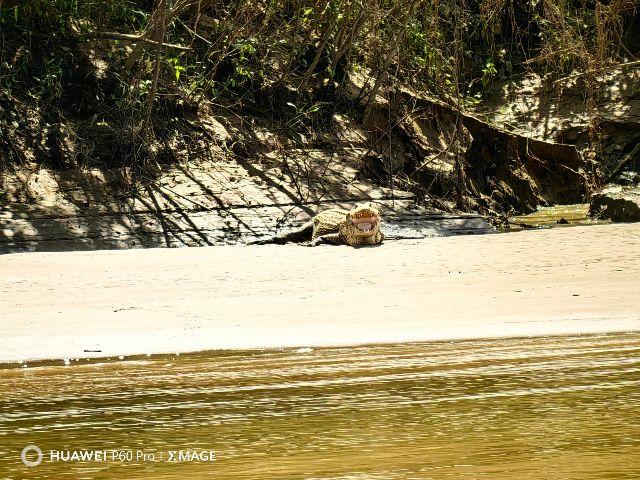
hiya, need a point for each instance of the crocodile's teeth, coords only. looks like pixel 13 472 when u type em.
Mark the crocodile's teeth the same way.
pixel 365 227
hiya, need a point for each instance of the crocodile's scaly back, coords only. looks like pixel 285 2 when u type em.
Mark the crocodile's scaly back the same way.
pixel 328 222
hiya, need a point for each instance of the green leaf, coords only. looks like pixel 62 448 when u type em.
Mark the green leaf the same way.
pixel 178 69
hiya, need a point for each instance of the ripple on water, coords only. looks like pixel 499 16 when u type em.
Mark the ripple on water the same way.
pixel 562 408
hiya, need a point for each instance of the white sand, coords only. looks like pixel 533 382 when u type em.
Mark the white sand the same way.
pixel 561 281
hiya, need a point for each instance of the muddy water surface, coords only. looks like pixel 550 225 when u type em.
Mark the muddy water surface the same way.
pixel 545 408
pixel 577 214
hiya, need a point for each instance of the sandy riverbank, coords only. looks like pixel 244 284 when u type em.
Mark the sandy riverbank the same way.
pixel 561 281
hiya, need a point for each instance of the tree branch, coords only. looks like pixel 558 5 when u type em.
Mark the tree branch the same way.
pixel 127 37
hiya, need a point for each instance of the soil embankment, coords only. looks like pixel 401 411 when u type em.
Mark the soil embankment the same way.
pixel 109 303
pixel 202 204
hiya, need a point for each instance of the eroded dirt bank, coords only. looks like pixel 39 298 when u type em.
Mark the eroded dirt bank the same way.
pixel 106 303
pixel 206 203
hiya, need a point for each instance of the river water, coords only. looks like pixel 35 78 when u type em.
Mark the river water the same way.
pixel 513 409
pixel 577 214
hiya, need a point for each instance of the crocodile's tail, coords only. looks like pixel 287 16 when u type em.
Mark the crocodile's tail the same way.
pixel 300 234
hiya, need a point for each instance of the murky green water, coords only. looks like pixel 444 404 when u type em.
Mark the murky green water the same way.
pixel 577 214
pixel 546 408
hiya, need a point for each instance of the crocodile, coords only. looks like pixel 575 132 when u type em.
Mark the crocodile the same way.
pixel 358 226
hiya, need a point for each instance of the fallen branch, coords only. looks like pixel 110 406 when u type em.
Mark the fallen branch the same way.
pixel 135 38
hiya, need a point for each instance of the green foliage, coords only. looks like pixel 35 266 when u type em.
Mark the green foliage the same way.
pixel 300 119
pixel 234 51
pixel 488 72
pixel 427 60
pixel 56 16
pixel 244 52
pixel 177 67
pixel 33 15
pixel 117 13
pixel 49 83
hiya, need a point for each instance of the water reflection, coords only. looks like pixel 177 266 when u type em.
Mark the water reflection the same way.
pixel 546 408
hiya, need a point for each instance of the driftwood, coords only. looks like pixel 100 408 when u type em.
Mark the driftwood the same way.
pixel 127 37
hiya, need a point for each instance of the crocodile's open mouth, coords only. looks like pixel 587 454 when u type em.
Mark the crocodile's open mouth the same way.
pixel 364 223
